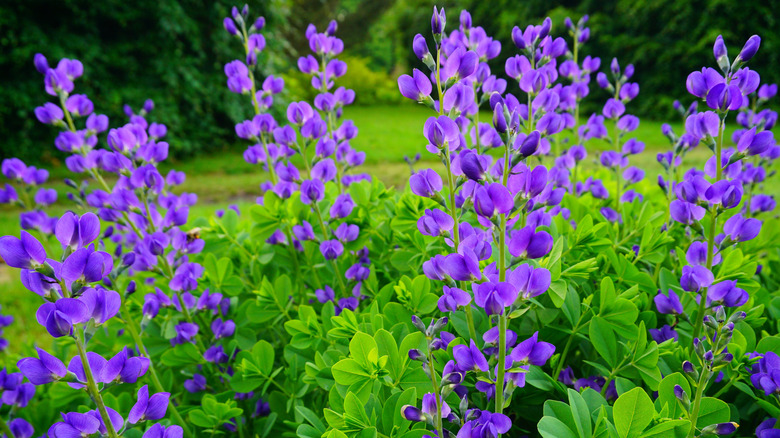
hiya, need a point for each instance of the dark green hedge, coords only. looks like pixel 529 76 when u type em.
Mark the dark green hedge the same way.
pixel 173 51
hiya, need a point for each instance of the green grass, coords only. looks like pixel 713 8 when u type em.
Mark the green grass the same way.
pixel 386 134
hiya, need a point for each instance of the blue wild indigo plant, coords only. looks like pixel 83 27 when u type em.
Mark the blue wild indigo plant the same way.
pixel 511 290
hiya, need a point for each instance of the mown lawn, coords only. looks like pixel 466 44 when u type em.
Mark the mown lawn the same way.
pixel 386 134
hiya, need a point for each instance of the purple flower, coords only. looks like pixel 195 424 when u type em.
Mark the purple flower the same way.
pixel 416 87
pixel 494 297
pixel 45 369
pixel 438 21
pixel 215 354
pixel 532 351
pixel 160 431
pixel 668 303
pixel 185 332
pixel 529 244
pixel 727 293
pixel 342 206
pixel 24 253
pixel 148 408
pixel 663 334
pixel 452 298
pixel 754 143
pixel 325 295
pixel 312 190
pixel 60 316
pixel 223 329
pixel 749 49
pixel 196 384
pixel 122 368
pixel 685 212
pixel 529 281
pixel 426 183
pixel 741 229
pixel 462 266
pixel 75 424
pixel 694 278
pixel 492 199
pixel 331 249
pixel 613 109
pixel 469 358
pixel 435 223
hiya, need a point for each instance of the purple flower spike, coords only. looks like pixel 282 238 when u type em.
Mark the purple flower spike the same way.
pixel 469 358
pixel 148 408
pixel 24 253
pixel 668 303
pixel 45 369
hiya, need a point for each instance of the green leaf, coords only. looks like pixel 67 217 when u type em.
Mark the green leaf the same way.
pixel 669 429
pixel 558 295
pixel 348 372
pixel 263 355
pixel 388 347
pixel 603 339
pixel 632 412
pixel 312 418
pixel 712 411
pixel 666 394
pixel 361 346
pixel 551 427
pixel 183 354
pixel 768 343
pixel 580 413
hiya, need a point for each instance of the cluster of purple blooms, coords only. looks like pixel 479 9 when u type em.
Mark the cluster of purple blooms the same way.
pixel 28 195
pixel 322 139
pixel 719 189
pixel 700 200
pixel 493 210
pixel 79 287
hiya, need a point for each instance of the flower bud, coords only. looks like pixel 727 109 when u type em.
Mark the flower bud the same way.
pixel 749 49
pixel 415 354
pixel 417 322
pixel 412 413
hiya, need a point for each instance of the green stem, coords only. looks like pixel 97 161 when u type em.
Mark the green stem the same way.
pixel 438 423
pixel 5 429
pixel 92 388
pixel 502 318
pixel 134 333
pixel 325 235
pixel 697 400
pixel 451 187
pixel 711 236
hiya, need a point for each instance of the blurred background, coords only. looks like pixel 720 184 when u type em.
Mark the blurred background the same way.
pixel 173 51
